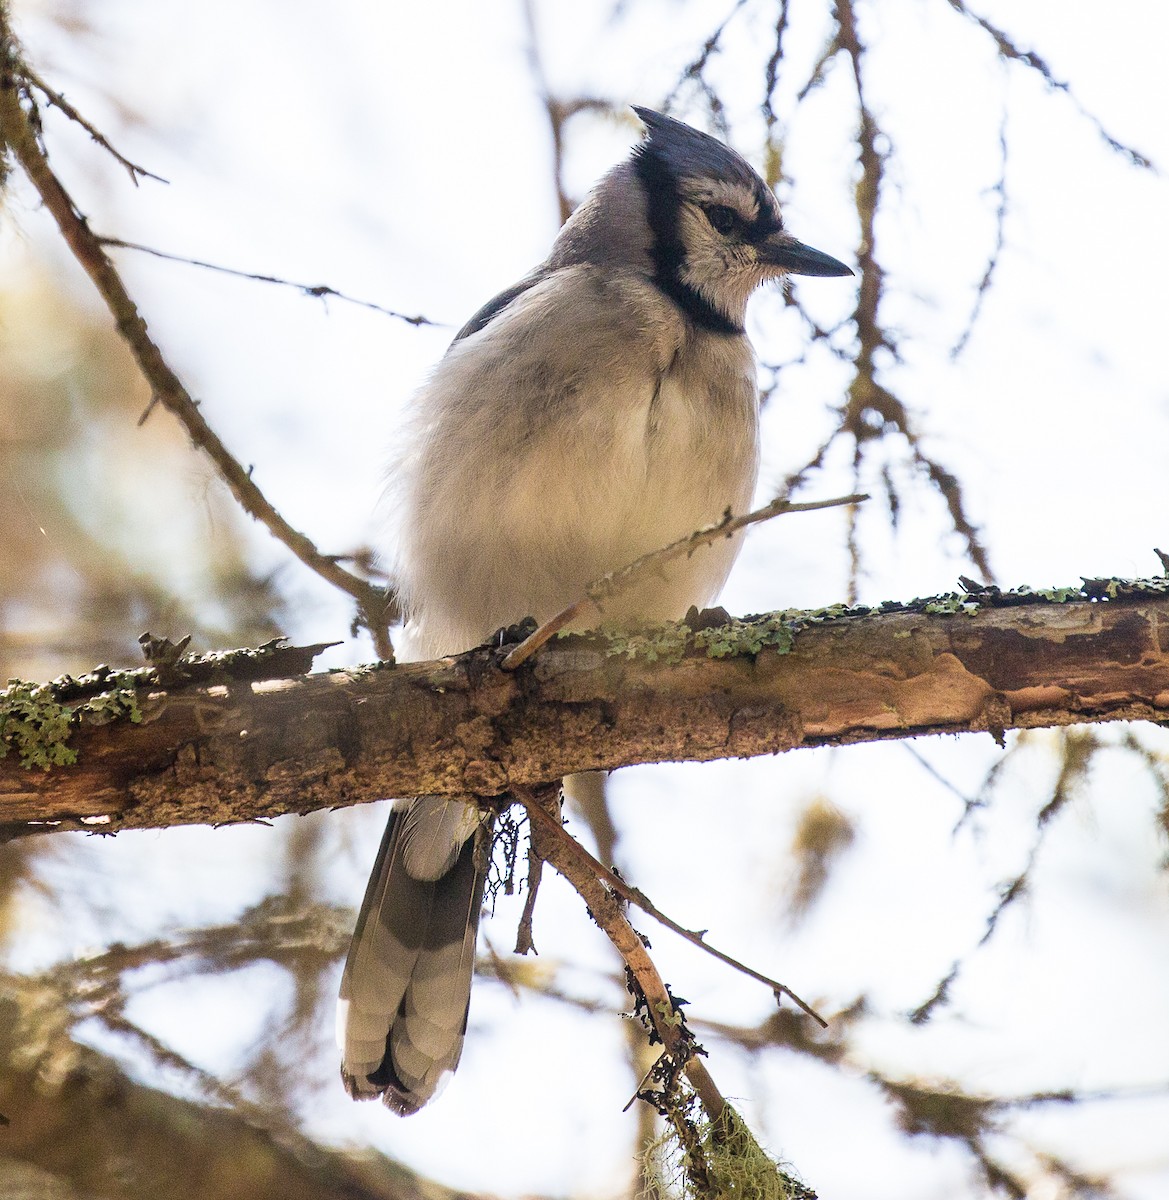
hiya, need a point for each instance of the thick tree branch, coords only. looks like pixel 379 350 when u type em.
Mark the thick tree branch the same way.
pixel 242 750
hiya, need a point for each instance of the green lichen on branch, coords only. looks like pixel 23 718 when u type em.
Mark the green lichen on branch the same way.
pixel 669 641
pixel 750 636
pixel 114 704
pixel 725 636
pixel 37 719
pixel 666 642
pixel 36 723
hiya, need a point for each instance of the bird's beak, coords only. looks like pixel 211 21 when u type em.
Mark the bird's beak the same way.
pixel 784 251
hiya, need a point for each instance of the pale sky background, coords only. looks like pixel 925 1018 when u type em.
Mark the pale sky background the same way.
pixel 397 152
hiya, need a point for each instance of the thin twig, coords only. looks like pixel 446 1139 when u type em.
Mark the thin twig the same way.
pixel 873 411
pixel 638 898
pixel 56 99
pixel 558 111
pixel 315 290
pixel 524 941
pixel 1000 219
pixel 573 862
pixel 930 769
pixel 548 630
pixel 771 76
pixel 694 70
pixel 377 609
pixel 1010 52
pixel 620 580
pixel 1078 749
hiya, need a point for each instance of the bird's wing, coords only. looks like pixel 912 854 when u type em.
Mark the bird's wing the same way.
pixel 495 306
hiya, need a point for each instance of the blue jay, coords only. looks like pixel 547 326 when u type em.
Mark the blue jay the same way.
pixel 604 406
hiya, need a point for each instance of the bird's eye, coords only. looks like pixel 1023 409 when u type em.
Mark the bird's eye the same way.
pixel 723 220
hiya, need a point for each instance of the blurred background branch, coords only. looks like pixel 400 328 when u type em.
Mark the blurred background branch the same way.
pixel 22 125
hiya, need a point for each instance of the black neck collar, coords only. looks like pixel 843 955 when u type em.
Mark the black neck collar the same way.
pixel 668 254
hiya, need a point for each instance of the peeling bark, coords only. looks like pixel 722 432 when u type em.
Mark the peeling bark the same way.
pixel 241 750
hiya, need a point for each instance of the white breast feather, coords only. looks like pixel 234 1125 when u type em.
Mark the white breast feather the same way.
pixel 546 471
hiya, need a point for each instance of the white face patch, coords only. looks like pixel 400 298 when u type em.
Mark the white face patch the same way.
pixel 707 192
pixel 723 269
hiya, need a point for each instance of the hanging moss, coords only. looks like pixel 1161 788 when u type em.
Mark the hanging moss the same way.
pixel 699 1159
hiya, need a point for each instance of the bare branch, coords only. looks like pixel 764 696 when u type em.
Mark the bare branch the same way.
pixel 20 120
pixel 663 1014
pixel 555 845
pixel 57 100
pixel 1000 229
pixel 697 938
pixel 525 942
pixel 771 82
pixel 318 291
pixel 1078 748
pixel 1009 51
pixel 557 110
pixel 693 73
